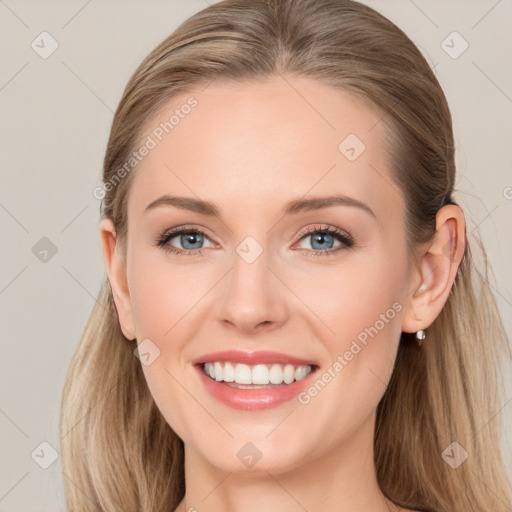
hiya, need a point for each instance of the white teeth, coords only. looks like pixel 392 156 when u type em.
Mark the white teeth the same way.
pixel 276 374
pixel 259 374
pixel 217 368
pixel 243 374
pixel 229 372
pixel 301 372
pixel 289 374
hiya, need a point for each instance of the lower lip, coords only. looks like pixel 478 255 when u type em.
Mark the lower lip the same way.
pixel 253 399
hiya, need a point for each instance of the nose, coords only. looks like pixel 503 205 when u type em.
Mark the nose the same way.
pixel 253 298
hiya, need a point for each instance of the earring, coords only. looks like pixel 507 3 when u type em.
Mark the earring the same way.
pixel 420 336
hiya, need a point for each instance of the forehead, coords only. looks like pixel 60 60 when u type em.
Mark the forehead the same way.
pixel 269 141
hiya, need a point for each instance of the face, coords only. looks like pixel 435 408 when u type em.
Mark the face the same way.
pixel 274 278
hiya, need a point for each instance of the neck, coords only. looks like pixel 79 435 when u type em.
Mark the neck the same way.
pixel 341 480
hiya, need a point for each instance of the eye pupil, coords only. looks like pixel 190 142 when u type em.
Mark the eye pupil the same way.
pixel 191 238
pixel 321 239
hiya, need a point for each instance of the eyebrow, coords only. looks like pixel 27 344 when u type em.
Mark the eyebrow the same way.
pixel 293 207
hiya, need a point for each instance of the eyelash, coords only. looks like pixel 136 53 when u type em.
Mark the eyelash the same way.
pixel 347 241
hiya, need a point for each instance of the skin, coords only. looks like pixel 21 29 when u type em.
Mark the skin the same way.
pixel 268 143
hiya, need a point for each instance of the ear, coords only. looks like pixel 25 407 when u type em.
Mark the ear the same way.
pixel 116 270
pixel 435 270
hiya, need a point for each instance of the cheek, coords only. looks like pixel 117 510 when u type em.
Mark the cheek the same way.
pixel 354 298
pixel 163 292
pixel 360 307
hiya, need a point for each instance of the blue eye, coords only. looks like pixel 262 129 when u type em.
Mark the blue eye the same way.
pixel 326 236
pixel 192 240
pixel 188 238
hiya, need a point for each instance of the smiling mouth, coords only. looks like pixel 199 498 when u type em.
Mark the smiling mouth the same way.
pixel 257 376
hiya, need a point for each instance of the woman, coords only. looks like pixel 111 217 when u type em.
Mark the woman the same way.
pixel 228 367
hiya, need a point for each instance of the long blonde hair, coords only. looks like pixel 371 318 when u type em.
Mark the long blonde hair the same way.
pixel 118 452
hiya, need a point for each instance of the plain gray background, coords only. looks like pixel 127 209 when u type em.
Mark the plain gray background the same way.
pixel 56 113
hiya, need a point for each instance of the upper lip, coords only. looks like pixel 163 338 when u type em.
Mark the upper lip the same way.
pixel 252 357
